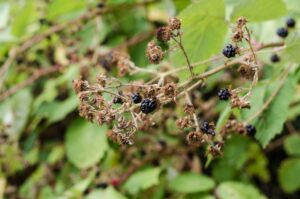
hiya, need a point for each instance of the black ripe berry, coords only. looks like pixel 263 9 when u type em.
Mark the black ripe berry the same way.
pixel 282 32
pixel 117 100
pixel 251 130
pixel 148 106
pixel 290 23
pixel 207 128
pixel 229 51
pixel 275 58
pixel 224 94
pixel 136 98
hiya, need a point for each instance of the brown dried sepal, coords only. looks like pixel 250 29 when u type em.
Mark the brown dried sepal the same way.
pixel 216 149
pixel 164 34
pixel 189 109
pixel 183 122
pixel 80 85
pixel 170 91
pixel 196 138
pixel 154 53
pixel 238 102
pixel 174 23
pixel 233 126
pixel 246 71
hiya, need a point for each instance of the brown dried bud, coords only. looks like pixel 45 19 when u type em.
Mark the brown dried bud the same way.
pixel 246 71
pixel 216 149
pixel 196 138
pixel 189 109
pixel 163 34
pixel 154 53
pixel 80 85
pixel 233 126
pixel 174 23
pixel 170 90
pixel 238 102
pixel 238 36
pixel 241 21
pixel 101 80
pixel 183 122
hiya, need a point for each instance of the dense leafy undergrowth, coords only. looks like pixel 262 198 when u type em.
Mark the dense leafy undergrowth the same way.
pixel 119 99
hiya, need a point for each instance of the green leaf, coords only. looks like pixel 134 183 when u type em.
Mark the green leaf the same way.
pixel 204 29
pixel 85 143
pixel 60 7
pixel 22 18
pixel 259 10
pixel 57 110
pixel 235 151
pixel 191 183
pixel 292 49
pixel 237 190
pixel 15 112
pixel 77 190
pixel 224 116
pixel 289 175
pixel 272 120
pixel 257 101
pixel 292 144
pixel 142 180
pixel 109 193
pixel 4 15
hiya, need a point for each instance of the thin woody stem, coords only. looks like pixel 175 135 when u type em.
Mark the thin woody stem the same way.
pixel 188 98
pixel 250 44
pixel 179 43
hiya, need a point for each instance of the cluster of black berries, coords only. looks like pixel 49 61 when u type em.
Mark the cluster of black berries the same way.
pixel 229 51
pixel 283 32
pixel 148 105
pixel 224 94
pixel 208 128
pixel 251 130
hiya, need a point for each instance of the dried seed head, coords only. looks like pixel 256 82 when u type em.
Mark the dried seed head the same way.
pixel 80 85
pixel 241 21
pixel 246 71
pixel 189 109
pixel 101 80
pixel 174 23
pixel 238 36
pixel 216 149
pixel 170 90
pixel 183 122
pixel 163 34
pixel 196 138
pixel 154 53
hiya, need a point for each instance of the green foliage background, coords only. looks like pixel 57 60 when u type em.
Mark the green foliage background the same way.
pixel 48 140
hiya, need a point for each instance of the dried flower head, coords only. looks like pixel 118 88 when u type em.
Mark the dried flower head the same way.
pixel 216 149
pixel 80 85
pixel 170 91
pixel 239 102
pixel 238 35
pixel 233 126
pixel 189 109
pixel 163 34
pixel 196 138
pixel 154 53
pixel 241 22
pixel 183 122
pixel 174 23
